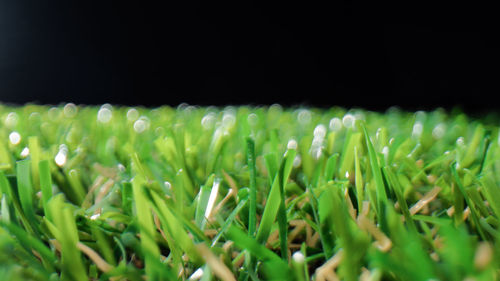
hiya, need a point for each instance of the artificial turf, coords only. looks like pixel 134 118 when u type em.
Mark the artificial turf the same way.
pixel 247 193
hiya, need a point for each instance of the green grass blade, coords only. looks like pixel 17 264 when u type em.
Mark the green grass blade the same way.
pixel 36 154
pixel 25 190
pixel 274 199
pixel 491 191
pixel 13 199
pixel 252 215
pixel 229 220
pixel 270 211
pixel 202 201
pixel 31 242
pixel 45 186
pixel 474 213
pixel 347 161
pixel 271 160
pixel 284 174
pixel 376 173
pixel 394 182
pixel 145 219
pixel 276 266
pixel 175 228
pixel 331 167
pixel 358 180
pixel 66 233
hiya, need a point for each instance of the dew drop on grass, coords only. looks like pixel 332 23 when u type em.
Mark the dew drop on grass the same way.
pixel 439 131
pixel 348 120
pixel 461 141
pixel 95 216
pixel 141 124
pixel 208 121
pixel 15 138
pixel 168 186
pixel 292 144
pixel 189 110
pixel 107 105
pixel 304 117
pixel 385 151
pixel 70 110
pixel 104 114
pixel 252 119
pixel 132 114
pixel 228 120
pixel 335 124
pixel 60 158
pixel 121 168
pixel 54 113
pixel 196 275
pixel 298 257
pixel 11 120
pixel 34 117
pixel 320 131
pixel 25 152
pixel 417 130
pixel 275 108
pixel 61 155
pixel 182 106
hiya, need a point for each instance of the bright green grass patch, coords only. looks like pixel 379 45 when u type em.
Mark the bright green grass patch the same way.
pixel 247 193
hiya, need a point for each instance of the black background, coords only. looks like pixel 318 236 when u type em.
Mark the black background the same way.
pixel 242 52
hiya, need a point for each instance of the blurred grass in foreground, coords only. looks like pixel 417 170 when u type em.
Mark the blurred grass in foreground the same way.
pixel 247 193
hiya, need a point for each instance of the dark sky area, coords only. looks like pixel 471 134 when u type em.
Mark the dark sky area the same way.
pixel 240 52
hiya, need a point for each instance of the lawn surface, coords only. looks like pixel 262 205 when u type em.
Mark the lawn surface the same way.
pixel 247 193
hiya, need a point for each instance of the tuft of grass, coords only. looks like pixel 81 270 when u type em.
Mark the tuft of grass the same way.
pixel 247 193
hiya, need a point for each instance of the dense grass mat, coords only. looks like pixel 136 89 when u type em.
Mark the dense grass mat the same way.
pixel 247 193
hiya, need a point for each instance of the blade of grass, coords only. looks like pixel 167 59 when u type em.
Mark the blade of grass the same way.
pixel 377 175
pixel 358 180
pixel 331 167
pixel 13 199
pixel 202 201
pixel 25 190
pixel 491 192
pixel 171 224
pixel 284 174
pixel 66 234
pixel 146 226
pixel 252 215
pixel 277 267
pixel 475 217
pixel 271 160
pixel 76 185
pixel 394 182
pixel 229 220
pixel 270 211
pixel 45 186
pixel 36 154
pixel 31 242
pixel 274 199
pixel 347 161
